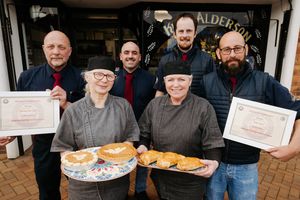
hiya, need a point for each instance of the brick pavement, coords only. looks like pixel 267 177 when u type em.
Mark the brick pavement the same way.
pixel 277 180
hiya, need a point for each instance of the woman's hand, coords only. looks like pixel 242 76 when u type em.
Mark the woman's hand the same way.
pixel 142 149
pixel 209 169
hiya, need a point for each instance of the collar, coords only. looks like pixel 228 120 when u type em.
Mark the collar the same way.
pixel 189 53
pixel 51 71
pixel 187 99
pixel 135 72
pixel 91 104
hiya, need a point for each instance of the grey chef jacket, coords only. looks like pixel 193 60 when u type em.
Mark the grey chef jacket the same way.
pixel 188 129
pixel 83 125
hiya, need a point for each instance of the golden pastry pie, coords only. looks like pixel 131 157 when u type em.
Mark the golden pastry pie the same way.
pixel 189 163
pixel 149 157
pixel 79 160
pixel 168 159
pixel 117 152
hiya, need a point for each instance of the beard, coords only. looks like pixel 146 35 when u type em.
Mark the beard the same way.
pixel 234 69
pixel 185 48
pixel 185 44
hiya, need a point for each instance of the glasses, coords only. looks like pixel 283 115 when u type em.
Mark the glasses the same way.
pixel 109 77
pixel 236 50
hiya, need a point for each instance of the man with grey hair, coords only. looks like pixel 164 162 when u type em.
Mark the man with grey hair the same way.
pixel 66 85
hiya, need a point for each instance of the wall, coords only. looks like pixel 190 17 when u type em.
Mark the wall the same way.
pixel 291 46
pixel 277 12
pixel 296 75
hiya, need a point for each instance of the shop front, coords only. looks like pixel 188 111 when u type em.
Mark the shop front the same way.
pixel 98 31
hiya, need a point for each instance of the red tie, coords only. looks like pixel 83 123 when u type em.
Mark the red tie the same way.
pixel 128 93
pixel 184 57
pixel 233 81
pixel 57 78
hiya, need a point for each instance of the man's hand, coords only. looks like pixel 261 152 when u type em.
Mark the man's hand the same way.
pixel 61 95
pixel 6 139
pixel 286 153
pixel 209 169
pixel 283 153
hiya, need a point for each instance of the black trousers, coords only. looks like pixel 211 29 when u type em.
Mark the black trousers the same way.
pixel 46 168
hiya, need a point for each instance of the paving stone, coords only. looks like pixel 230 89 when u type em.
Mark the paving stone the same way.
pixel 294 192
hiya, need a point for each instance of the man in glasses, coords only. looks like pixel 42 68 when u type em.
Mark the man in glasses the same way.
pixel 135 85
pixel 237 173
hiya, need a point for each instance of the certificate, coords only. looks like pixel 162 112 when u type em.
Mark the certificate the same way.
pixel 28 113
pixel 258 125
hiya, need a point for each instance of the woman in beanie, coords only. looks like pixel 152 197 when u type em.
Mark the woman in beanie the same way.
pixel 183 123
pixel 97 119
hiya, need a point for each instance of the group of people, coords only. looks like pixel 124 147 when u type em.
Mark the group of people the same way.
pixel 187 116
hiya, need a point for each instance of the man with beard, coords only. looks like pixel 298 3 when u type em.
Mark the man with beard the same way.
pixel 135 85
pixel 185 28
pixel 66 85
pixel 237 172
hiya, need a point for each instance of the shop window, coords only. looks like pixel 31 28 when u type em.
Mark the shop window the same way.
pixel 253 24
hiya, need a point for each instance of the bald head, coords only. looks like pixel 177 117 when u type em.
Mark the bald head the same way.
pixel 232 52
pixel 231 38
pixel 57 35
pixel 57 49
pixel 130 56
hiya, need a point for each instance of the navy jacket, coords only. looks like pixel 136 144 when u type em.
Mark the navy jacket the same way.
pixel 143 90
pixel 252 85
pixel 201 63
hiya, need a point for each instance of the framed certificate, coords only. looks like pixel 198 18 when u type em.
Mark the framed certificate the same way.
pixel 258 125
pixel 28 113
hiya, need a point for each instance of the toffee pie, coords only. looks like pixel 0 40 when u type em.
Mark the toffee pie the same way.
pixel 189 163
pixel 117 152
pixel 79 160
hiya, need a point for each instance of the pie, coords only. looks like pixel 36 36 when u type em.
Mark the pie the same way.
pixel 189 163
pixel 79 160
pixel 117 152
pixel 168 159
pixel 149 157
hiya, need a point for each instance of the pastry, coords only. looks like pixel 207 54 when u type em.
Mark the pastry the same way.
pixel 117 152
pixel 168 159
pixel 149 157
pixel 79 160
pixel 189 163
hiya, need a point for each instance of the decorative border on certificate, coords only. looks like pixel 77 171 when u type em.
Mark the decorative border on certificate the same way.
pixel 28 113
pixel 259 125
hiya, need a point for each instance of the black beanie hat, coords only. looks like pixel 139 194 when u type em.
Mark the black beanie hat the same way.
pixel 176 67
pixel 101 62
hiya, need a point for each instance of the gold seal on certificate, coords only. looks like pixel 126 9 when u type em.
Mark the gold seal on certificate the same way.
pixel 259 125
pixel 27 113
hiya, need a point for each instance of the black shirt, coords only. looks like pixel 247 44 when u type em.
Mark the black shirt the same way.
pixel 143 90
